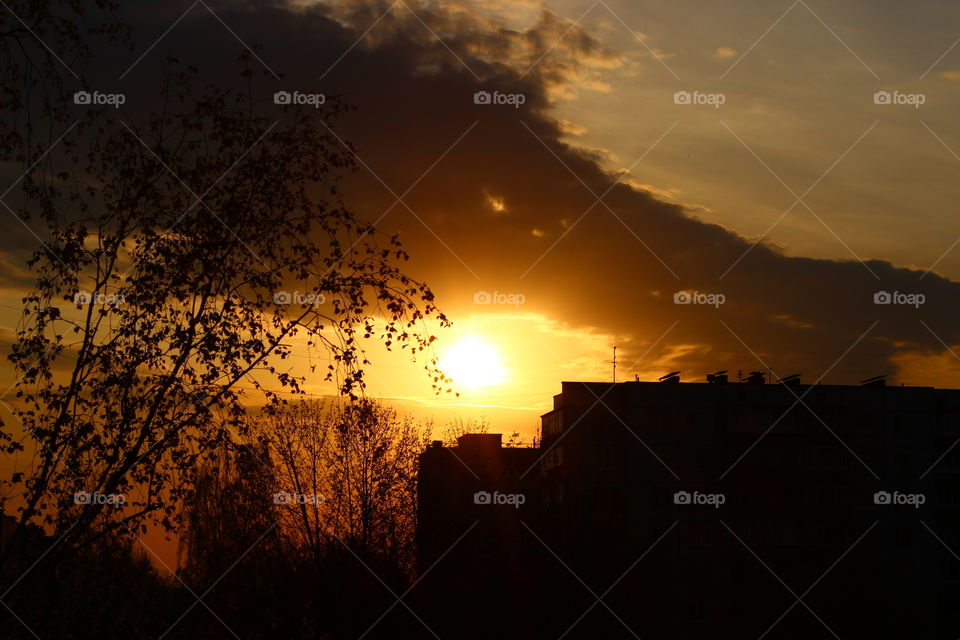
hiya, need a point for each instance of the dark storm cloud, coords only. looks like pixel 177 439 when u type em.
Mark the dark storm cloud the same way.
pixel 613 267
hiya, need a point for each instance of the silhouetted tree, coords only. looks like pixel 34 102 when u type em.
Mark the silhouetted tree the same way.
pixel 458 427
pixel 161 292
pixel 317 510
pixel 298 436
pixel 375 457
pixel 230 512
pixel 110 589
pixel 346 472
pixel 45 47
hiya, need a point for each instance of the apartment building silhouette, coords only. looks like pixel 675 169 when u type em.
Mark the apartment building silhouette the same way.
pixel 749 509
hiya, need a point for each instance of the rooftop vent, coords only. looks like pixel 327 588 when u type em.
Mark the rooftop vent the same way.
pixel 875 381
pixel 755 377
pixel 720 377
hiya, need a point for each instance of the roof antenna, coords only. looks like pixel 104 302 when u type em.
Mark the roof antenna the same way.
pixel 614 362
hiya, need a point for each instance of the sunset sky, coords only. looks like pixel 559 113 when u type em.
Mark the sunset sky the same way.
pixel 556 226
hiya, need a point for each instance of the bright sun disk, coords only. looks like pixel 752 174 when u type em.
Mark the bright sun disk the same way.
pixel 473 362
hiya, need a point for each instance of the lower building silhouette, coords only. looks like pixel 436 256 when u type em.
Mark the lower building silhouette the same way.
pixel 677 510
pixel 478 571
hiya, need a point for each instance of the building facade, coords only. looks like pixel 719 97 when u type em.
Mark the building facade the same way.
pixel 669 509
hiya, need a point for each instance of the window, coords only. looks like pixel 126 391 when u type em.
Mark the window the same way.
pixel 552 423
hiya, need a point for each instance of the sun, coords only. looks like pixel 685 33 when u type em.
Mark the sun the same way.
pixel 473 362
